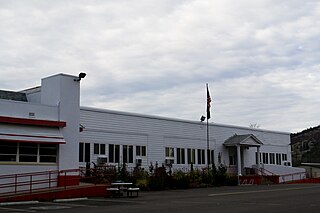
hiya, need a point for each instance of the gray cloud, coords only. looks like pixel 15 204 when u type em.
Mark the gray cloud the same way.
pixel 259 57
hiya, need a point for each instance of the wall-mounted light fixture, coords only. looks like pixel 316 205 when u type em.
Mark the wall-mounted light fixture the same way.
pixel 202 118
pixel 81 76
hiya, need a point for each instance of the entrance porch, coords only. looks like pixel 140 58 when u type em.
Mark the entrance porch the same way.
pixel 237 145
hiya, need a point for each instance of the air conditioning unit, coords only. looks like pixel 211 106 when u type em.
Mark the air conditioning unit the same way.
pixel 102 159
pixel 169 161
pixel 287 164
pixel 138 162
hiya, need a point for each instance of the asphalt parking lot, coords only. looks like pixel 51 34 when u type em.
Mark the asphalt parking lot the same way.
pixel 272 198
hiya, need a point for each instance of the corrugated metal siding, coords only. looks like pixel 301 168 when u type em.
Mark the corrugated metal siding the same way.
pixel 121 128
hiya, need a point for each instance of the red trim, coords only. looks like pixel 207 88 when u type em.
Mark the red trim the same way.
pixel 24 141
pixel 33 136
pixel 34 122
pixel 68 180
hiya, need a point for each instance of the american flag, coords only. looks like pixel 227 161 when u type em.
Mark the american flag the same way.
pixel 208 103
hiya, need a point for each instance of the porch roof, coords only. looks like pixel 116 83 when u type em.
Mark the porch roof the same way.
pixel 248 140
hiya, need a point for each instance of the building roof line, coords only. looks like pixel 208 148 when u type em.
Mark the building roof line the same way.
pixel 175 119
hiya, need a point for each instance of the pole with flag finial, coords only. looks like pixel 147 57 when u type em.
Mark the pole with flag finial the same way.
pixel 208 117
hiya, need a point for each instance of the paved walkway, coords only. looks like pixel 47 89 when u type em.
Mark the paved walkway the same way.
pixel 273 198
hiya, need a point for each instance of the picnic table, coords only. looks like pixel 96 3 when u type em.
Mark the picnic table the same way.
pixel 118 189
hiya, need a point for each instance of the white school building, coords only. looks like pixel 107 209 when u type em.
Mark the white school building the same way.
pixel 45 128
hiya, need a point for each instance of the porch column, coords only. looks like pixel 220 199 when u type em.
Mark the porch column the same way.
pixel 258 159
pixel 239 160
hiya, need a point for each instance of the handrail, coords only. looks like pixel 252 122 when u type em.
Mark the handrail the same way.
pixel 20 183
pixel 292 175
pixel 263 171
pixel 28 182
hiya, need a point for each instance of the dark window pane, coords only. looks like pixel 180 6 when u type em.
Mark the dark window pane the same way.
pixel 102 149
pixel 11 158
pixel 117 153
pixel 125 154
pixel 138 151
pixel 28 148
pixel 48 159
pixel 183 161
pixel 80 152
pixel 130 154
pixel 48 150
pixel 8 148
pixel 87 152
pixel 144 151
pixel 111 153
pixel 96 148
pixel 27 158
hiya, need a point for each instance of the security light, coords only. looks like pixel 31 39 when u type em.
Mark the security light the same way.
pixel 81 75
pixel 202 118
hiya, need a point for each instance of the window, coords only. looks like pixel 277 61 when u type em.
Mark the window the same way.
pixel 210 156
pixel 127 152
pixel 48 153
pixel 87 152
pixel 144 151
pixel 284 157
pixel 169 153
pixel 28 152
pixel 191 156
pixel 114 153
pixel 141 151
pixel 278 159
pixel 265 158
pixel 102 149
pixel 201 156
pixel 96 149
pixel 181 156
pixel 232 160
pixel 81 152
pixel 84 152
pixel 99 149
pixel 272 158
pixel 8 151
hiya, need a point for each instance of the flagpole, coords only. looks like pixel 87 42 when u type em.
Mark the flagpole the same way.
pixel 208 117
pixel 208 152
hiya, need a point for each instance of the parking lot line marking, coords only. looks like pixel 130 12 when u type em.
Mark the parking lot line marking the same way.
pixel 117 201
pixel 66 204
pixel 18 203
pixel 260 191
pixel 15 210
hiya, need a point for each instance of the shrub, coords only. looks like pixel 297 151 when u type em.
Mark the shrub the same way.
pixel 159 180
pixel 181 180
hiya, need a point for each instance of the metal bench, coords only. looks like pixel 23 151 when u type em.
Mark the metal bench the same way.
pixel 130 192
pixel 114 192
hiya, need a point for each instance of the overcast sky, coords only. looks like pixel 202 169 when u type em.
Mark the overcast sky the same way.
pixel 261 58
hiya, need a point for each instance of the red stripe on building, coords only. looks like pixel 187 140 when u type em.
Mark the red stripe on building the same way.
pixel 33 136
pixel 33 122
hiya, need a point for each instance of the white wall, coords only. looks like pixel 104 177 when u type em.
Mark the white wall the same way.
pixel 106 126
pixel 22 109
pixel 62 91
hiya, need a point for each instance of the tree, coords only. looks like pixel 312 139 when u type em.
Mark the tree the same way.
pixel 254 126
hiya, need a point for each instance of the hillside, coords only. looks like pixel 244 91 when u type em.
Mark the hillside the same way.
pixel 305 146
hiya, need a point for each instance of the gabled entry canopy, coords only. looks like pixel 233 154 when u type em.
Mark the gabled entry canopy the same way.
pixel 248 140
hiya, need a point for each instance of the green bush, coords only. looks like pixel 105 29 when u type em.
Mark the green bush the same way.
pixel 159 180
pixel 231 180
pixel 181 180
pixel 195 178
